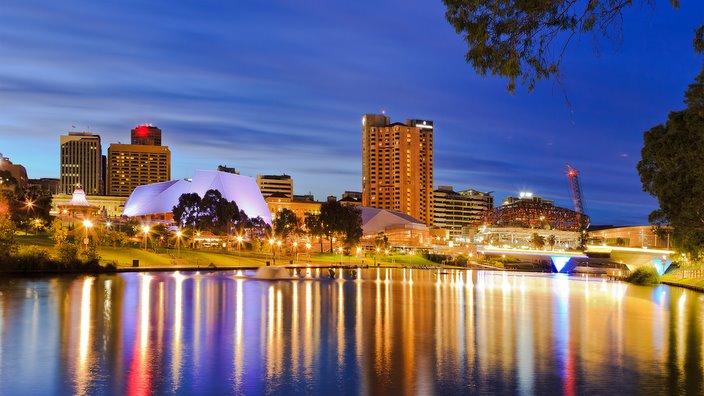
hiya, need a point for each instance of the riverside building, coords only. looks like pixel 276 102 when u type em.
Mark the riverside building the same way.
pixel 397 166
pixel 460 212
pixel 81 160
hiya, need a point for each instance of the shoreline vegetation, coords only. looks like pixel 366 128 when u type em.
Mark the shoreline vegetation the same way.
pixel 37 255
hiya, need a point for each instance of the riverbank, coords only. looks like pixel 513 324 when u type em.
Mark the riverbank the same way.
pixel 693 280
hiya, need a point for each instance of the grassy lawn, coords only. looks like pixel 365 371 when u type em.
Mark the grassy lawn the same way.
pixel 123 256
pixel 676 277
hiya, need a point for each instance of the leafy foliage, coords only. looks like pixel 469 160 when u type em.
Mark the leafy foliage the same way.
pixel 187 210
pixel 314 225
pixel 342 221
pixel 286 223
pixel 213 212
pixel 672 171
pixel 644 276
pixel 525 40
pixel 8 244
pixel 537 240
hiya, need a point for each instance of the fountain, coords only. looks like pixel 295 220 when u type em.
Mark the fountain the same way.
pixel 273 273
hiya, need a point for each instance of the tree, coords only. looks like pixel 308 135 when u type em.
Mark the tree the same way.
pixel 57 232
pixel 671 170
pixel 537 241
pixel 186 212
pixel 258 229
pixel 286 224
pixel 525 40
pixel 331 217
pixel 315 228
pixel 351 225
pixel 551 240
pixel 8 244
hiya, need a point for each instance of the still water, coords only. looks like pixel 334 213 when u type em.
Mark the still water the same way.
pixel 376 332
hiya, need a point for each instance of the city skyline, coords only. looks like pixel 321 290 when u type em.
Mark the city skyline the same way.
pixel 289 99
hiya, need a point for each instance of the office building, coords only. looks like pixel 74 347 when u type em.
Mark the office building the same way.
pixel 48 184
pixel 397 166
pixel 460 212
pixel 275 184
pixel 146 134
pixel 133 165
pixel 81 163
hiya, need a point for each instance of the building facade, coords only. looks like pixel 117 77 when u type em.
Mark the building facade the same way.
pixel 17 171
pixel 528 211
pixel 146 134
pixel 459 212
pixel 133 165
pixel 275 184
pixel 80 158
pixel 397 166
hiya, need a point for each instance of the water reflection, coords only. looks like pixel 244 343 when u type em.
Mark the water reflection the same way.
pixel 374 331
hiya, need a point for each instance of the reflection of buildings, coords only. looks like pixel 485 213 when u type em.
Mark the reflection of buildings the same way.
pixel 633 236
pixel 279 185
pixel 460 212
pixel 17 171
pixel 528 211
pixel 397 166
pixel 81 160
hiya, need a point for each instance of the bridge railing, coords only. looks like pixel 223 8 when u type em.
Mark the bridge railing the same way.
pixel 697 273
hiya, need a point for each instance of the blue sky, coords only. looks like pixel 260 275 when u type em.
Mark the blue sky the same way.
pixel 280 86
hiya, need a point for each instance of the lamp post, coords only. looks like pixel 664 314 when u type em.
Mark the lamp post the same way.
pixel 30 206
pixel 145 229
pixel 273 249
pixel 339 249
pixel 179 234
pixel 87 224
pixel 239 245
pixel 37 223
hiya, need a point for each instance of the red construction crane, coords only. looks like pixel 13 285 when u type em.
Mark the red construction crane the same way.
pixel 573 176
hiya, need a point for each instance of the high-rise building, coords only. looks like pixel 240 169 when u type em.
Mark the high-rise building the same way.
pixel 459 212
pixel 397 166
pixel 134 165
pixel 146 134
pixel 275 184
pixel 80 163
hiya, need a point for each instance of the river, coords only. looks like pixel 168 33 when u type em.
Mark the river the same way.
pixel 378 331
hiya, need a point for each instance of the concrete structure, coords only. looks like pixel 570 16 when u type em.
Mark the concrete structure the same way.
pixel 52 185
pixel 105 206
pixel 156 201
pixel 146 134
pixel 519 237
pixel 80 158
pixel 632 236
pixel 460 212
pixel 17 171
pixel 528 211
pixel 134 165
pixel 397 166
pixel 401 229
pixel 275 184
pixel 301 205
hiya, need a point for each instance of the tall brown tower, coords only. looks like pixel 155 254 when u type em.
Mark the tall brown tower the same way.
pixel 397 166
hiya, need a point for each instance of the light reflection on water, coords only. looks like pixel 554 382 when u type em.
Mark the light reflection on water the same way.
pixel 377 331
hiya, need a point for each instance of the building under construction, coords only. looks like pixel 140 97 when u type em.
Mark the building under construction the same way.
pixel 528 211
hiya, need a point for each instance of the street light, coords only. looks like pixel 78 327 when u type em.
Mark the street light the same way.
pixel 145 229
pixel 87 224
pixel 340 250
pixel 295 250
pixel 239 245
pixel 179 234
pixel 273 249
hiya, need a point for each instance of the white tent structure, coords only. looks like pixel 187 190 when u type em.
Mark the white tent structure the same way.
pixel 400 228
pixel 160 198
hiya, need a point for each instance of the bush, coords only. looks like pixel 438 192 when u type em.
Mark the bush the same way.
pixel 644 276
pixel 67 253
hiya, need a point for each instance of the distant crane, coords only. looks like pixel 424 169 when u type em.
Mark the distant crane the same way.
pixel 576 190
